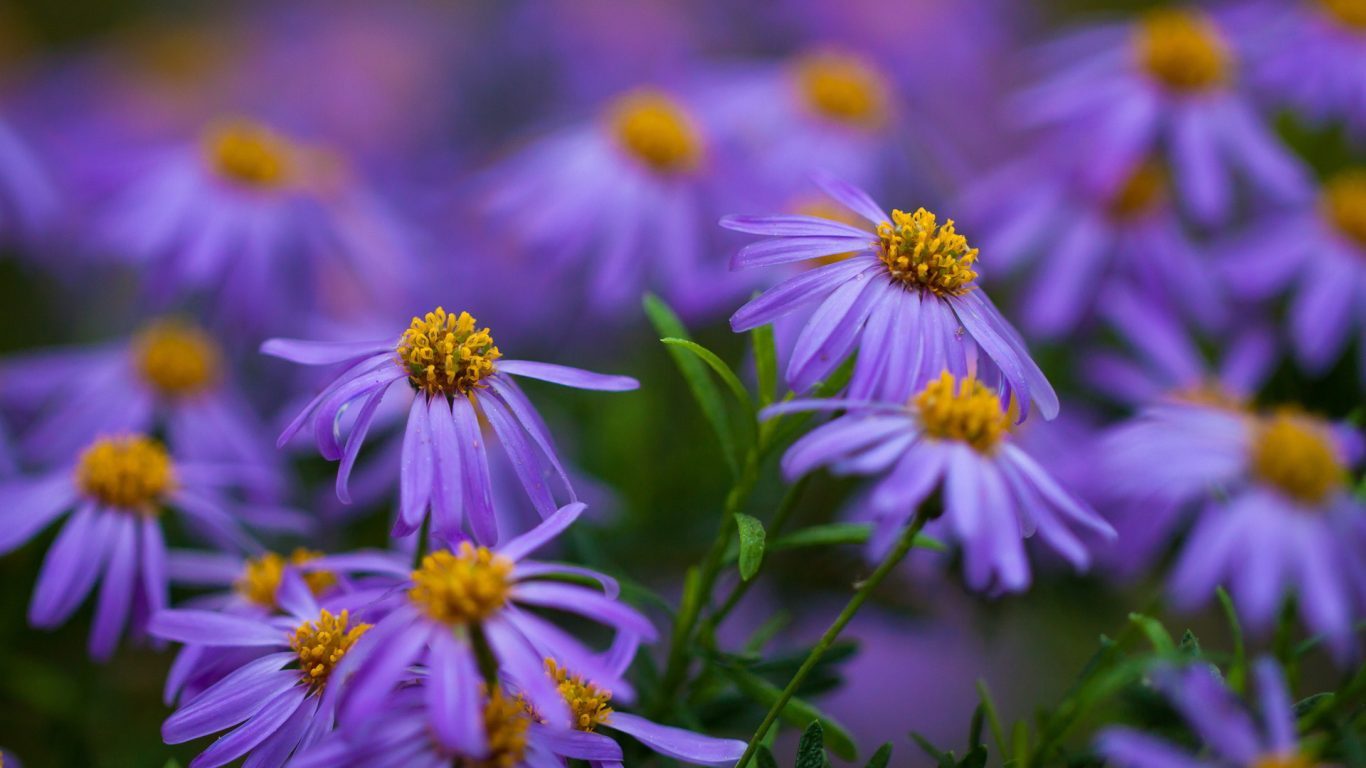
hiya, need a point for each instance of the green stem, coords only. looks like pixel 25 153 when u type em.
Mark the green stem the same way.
pixel 775 527
pixel 423 534
pixel 893 558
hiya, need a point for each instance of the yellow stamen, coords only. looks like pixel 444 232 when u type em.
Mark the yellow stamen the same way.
pixel 1350 13
pixel 919 253
pixel 176 358
pixel 656 130
pixel 321 644
pixel 1182 49
pixel 260 580
pixel 445 354
pixel 1294 453
pixel 1344 204
pixel 130 472
pixel 462 587
pixel 248 154
pixel 587 702
pixel 842 87
pixel 968 413
pixel 1211 394
pixel 506 721
pixel 1141 192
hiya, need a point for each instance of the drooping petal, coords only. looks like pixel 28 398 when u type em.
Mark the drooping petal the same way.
pixel 453 698
pixel 265 722
pixel 586 603
pixel 677 743
pixel 236 697
pixel 475 486
pixel 415 474
pixel 850 197
pixel 116 592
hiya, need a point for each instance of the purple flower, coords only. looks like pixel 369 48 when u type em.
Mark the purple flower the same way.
pixel 28 199
pixel 431 615
pixel 279 701
pixel 1165 82
pixel 1227 732
pixel 1272 507
pixel 1317 254
pixel 170 377
pixel 119 488
pixel 913 275
pixel 955 432
pixel 458 376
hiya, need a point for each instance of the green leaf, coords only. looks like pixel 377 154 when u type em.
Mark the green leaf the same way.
pixel 694 372
pixel 811 748
pixel 975 758
pixel 834 534
pixel 1156 633
pixel 1190 644
pixel 1237 669
pixel 993 719
pixel 1020 746
pixel 765 363
pixel 941 759
pixel 751 544
pixel 881 757
pixel 764 757
pixel 172 763
pixel 797 713
pixel 728 377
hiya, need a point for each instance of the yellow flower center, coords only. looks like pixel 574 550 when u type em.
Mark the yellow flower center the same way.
pixel 587 702
pixel 966 411
pixel 131 472
pixel 462 587
pixel 921 254
pixel 842 88
pixel 260 580
pixel 177 359
pixel 1182 49
pixel 656 130
pixel 505 725
pixel 1350 13
pixel 1140 193
pixel 321 644
pixel 248 154
pixel 1344 203
pixel 1294 453
pixel 445 354
pixel 1210 394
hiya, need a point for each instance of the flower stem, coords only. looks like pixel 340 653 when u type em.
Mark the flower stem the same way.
pixel 775 526
pixel 865 589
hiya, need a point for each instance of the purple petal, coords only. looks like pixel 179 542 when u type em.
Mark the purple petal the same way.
pixel 1215 714
pixel 793 226
pixel 830 334
pixel 415 475
pixel 155 583
pixel 579 745
pixel 270 718
pixel 353 442
pixel 231 700
pixel 453 699
pixel 1131 749
pixel 394 644
pixel 678 743
pixel 1007 350
pixel 323 352
pixel 116 593
pixel 531 469
pixel 569 377
pixel 214 629
pixel 796 292
pixel 785 250
pixel 475 485
pixel 1277 715
pixel 850 197
pixel 447 512
pixel 526 668
pixel 277 748
pixel 586 603
pixel 523 545
pixel 28 506
pixel 528 570
pixel 71 567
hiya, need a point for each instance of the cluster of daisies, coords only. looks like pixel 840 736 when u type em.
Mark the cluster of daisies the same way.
pixel 1154 204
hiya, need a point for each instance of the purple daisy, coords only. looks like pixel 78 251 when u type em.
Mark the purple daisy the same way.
pixel 1164 82
pixel 119 488
pixel 1273 509
pixel 457 376
pixel 28 198
pixel 1318 255
pixel 1227 732
pixel 913 275
pixel 432 615
pixel 282 698
pixel 955 432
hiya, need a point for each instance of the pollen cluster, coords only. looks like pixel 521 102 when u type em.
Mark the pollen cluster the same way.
pixel 1140 193
pixel 842 88
pixel 321 644
pixel 919 253
pixel 130 472
pixel 1294 453
pixel 966 411
pixel 446 354
pixel 656 130
pixel 1182 49
pixel 587 702
pixel 505 726
pixel 177 359
pixel 1350 13
pixel 248 154
pixel 1344 203
pixel 260 580
pixel 462 587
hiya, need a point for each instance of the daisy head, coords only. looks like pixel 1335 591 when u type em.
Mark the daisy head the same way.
pixel 250 156
pixel 655 131
pixel 1182 50
pixel 841 88
pixel 177 359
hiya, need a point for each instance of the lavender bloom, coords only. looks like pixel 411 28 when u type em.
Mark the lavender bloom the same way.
pixel 913 275
pixel 118 488
pixel 1273 510
pixel 955 431
pixel 458 377
pixel 428 615
pixel 1164 82
pixel 277 702
pixel 169 377
pixel 1226 729
pixel 28 199
pixel 1318 255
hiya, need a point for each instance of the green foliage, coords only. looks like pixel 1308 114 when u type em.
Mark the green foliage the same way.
pixel 751 545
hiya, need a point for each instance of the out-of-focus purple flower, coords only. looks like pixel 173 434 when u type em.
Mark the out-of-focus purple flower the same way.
pixel 262 224
pixel 119 488
pixel 1227 732
pixel 28 197
pixel 1165 83
pixel 276 703
pixel 458 376
pixel 913 276
pixel 428 615
pixel 1309 56
pixel 1318 255
pixel 170 377
pixel 954 432
pixel 1273 508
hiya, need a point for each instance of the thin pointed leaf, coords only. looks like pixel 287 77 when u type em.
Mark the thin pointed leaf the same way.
pixel 751 544
pixel 765 363
pixel 728 377
pixel 811 748
pixel 881 757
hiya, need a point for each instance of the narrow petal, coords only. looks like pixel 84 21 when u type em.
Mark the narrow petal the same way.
pixel 850 197
pixel 793 226
pixel 523 545
pixel 236 697
pixel 416 473
pixel 251 733
pixel 71 566
pixel 116 592
pixel 526 668
pixel 453 698
pixel 796 292
pixel 323 352
pixel 569 377
pixel 586 603
pixel 677 743
pixel 579 745
pixel 364 419
pixel 447 512
pixel 194 627
pixel 475 485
